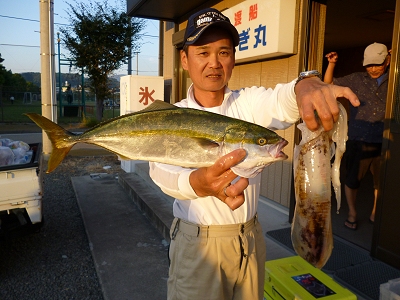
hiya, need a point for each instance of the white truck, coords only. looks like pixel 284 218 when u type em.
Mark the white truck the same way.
pixel 21 190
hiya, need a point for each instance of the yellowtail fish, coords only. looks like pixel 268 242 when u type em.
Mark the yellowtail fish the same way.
pixel 311 231
pixel 168 134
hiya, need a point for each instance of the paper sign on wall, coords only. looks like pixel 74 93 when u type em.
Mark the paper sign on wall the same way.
pixel 266 28
pixel 138 92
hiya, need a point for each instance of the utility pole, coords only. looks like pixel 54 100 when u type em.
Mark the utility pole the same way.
pixel 130 63
pixel 130 50
pixel 47 67
pixel 161 49
pixel 137 62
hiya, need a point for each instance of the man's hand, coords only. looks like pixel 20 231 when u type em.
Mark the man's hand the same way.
pixel 216 180
pixel 332 57
pixel 313 94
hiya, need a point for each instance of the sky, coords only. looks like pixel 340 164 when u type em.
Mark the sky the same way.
pixel 20 39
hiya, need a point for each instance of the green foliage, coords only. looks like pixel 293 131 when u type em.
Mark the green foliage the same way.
pixel 33 77
pixel 11 83
pixel 18 83
pixel 100 39
pixel 89 122
pixel 2 69
pixel 5 78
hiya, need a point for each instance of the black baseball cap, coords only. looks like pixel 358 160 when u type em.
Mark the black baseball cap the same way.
pixel 204 19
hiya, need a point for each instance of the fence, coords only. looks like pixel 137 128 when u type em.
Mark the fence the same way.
pixel 13 106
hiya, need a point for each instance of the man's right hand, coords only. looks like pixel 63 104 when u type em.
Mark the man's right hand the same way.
pixel 216 180
pixel 332 57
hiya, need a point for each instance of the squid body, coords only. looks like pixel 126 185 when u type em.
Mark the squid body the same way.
pixel 311 230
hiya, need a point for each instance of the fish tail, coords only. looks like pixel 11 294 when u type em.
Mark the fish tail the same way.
pixel 60 139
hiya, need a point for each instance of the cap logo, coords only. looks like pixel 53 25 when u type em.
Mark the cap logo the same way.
pixel 207 18
pixel 199 22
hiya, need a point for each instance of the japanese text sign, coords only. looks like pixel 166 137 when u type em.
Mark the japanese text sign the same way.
pixel 266 28
pixel 138 92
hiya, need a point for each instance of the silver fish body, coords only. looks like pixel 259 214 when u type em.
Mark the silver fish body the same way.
pixel 178 136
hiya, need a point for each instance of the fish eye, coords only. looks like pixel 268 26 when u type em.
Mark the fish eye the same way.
pixel 262 141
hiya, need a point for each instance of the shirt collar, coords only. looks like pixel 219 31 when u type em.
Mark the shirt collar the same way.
pixel 192 103
pixel 382 78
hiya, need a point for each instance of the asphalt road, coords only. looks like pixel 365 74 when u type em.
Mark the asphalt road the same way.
pixel 53 261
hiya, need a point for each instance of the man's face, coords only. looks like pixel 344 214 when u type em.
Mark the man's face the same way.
pixel 375 71
pixel 210 60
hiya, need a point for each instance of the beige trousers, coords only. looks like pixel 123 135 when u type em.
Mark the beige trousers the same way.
pixel 216 262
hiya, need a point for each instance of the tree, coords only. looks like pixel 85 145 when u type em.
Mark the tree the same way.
pixel 18 83
pixel 100 39
pixel 2 71
pixel 11 83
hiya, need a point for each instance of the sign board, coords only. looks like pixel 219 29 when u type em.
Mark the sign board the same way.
pixel 266 28
pixel 138 92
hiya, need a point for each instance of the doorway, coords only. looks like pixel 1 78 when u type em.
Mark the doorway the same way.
pixel 350 27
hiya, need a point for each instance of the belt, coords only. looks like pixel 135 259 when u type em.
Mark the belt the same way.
pixel 212 231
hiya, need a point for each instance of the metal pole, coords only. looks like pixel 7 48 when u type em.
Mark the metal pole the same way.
pixel 45 69
pixel 161 49
pixel 83 92
pixel 130 62
pixel 59 74
pixel 130 50
pixel 137 63
pixel 53 97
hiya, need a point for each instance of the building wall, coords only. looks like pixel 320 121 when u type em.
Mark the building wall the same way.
pixel 168 61
pixel 276 178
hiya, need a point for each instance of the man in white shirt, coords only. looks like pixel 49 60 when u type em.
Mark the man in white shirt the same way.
pixel 217 247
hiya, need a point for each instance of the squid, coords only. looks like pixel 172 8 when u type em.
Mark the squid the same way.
pixel 311 229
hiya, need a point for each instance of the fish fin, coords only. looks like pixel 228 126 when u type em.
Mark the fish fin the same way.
pixel 206 143
pixel 59 138
pixel 159 105
pixel 56 157
pixel 156 105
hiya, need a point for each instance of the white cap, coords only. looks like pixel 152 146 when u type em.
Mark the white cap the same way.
pixel 375 54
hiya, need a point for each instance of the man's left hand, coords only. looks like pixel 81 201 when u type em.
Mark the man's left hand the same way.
pixel 312 94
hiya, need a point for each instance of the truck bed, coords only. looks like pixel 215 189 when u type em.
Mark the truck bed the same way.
pixel 21 187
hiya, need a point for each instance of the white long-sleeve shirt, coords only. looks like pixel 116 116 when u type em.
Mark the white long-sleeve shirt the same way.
pixel 271 108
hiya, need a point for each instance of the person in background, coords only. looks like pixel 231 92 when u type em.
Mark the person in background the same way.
pixel 217 248
pixel 363 148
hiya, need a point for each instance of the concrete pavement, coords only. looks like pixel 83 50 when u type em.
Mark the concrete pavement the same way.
pixel 130 255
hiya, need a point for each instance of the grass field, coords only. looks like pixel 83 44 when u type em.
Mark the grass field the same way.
pixel 14 113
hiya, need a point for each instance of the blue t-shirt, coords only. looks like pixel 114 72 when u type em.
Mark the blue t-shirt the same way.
pixel 366 122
